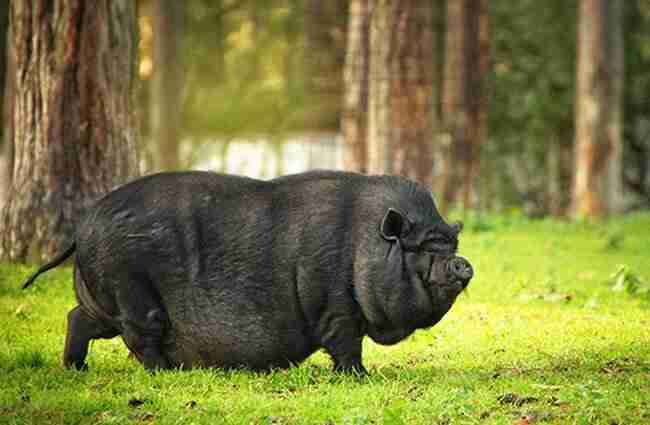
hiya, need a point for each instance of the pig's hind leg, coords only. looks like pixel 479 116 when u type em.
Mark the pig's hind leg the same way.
pixel 86 322
pixel 144 323
pixel 82 328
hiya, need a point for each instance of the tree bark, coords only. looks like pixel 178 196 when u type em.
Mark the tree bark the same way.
pixel 167 82
pixel 73 124
pixel 355 82
pixel 380 130
pixel 401 89
pixel 597 183
pixel 464 116
pixel 4 20
pixel 324 59
pixel 614 192
pixel 6 94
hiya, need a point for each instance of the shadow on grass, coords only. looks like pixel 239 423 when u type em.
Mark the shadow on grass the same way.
pixel 612 364
pixel 617 362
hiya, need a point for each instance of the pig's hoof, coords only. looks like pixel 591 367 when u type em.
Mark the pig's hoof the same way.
pixel 80 366
pixel 358 371
pixel 155 363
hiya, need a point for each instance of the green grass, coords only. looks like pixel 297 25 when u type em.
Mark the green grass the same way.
pixel 540 337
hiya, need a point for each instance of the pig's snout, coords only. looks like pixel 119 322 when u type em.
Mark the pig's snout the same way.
pixel 459 269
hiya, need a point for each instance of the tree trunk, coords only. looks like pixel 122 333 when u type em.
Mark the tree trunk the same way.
pixel 355 82
pixel 380 130
pixel 554 177
pixel 598 144
pixel 6 94
pixel 324 59
pixel 614 186
pixel 166 82
pixel 4 20
pixel 464 116
pixel 401 89
pixel 74 129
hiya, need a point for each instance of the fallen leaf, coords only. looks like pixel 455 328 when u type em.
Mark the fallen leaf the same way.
pixel 526 418
pixel 21 311
pixel 546 296
pixel 146 417
pixel 136 402
pixel 515 399
pixel 617 366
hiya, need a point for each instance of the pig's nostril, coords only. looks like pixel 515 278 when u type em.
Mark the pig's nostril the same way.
pixel 460 268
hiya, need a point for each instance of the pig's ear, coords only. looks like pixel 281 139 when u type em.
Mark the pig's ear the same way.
pixel 394 225
pixel 457 227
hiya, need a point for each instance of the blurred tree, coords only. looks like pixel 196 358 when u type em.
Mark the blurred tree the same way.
pixel 614 189
pixel 354 117
pixel 464 101
pixel 528 160
pixel 637 107
pixel 324 31
pixel 4 21
pixel 6 150
pixel 400 89
pixel 599 79
pixel 74 128
pixel 167 85
pixel 237 81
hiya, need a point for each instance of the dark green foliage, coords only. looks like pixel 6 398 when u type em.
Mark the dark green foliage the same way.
pixel 637 106
pixel 627 281
pixel 531 90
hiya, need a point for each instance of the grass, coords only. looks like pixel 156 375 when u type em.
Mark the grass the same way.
pixel 540 337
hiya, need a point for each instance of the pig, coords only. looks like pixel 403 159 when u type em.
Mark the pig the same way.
pixel 198 269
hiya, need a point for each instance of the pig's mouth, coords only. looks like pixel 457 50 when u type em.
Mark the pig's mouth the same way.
pixel 451 277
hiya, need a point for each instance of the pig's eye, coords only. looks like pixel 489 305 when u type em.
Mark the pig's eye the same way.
pixel 436 243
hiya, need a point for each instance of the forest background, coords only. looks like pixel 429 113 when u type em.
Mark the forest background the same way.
pixel 509 107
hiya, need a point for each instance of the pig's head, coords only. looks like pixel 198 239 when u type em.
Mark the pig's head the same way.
pixel 414 275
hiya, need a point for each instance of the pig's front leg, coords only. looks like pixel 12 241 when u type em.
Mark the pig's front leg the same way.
pixel 343 342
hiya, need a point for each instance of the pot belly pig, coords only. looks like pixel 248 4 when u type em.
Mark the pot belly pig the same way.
pixel 196 269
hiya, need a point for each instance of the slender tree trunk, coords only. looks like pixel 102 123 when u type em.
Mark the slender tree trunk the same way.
pixel 554 177
pixel 220 35
pixel 614 192
pixel 463 99
pixel 453 112
pixel 355 82
pixel 167 82
pixel 598 143
pixel 380 130
pixel 73 125
pixel 4 21
pixel 412 90
pixel 439 39
pixel 401 89
pixel 6 94
pixel 479 61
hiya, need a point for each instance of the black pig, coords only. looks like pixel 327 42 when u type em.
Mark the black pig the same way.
pixel 201 269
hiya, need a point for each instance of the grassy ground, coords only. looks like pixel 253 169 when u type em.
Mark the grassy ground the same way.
pixel 540 337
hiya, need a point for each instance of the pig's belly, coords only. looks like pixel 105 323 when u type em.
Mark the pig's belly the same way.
pixel 250 341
